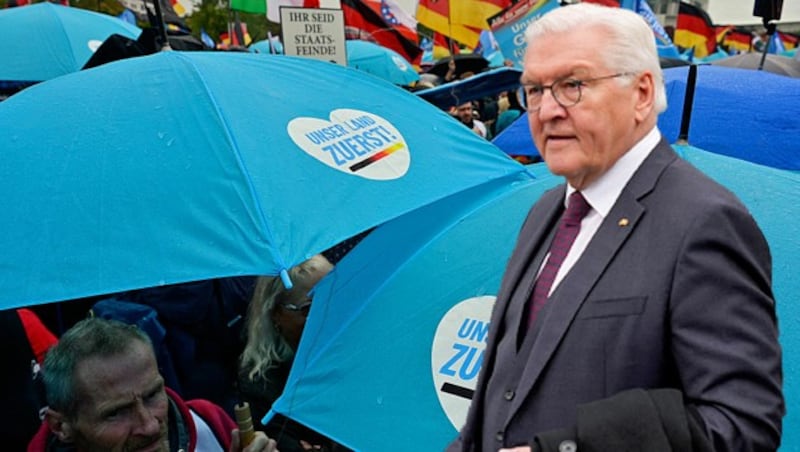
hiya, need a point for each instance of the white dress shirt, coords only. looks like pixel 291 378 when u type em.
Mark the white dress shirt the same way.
pixel 601 195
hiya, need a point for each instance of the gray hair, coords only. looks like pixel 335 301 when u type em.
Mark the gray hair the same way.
pixel 89 338
pixel 631 48
pixel 266 347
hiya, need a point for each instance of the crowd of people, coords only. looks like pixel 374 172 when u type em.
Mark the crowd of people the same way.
pixel 489 116
pixel 166 365
pixel 636 310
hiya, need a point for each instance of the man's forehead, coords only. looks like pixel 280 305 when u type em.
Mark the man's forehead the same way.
pixel 134 369
pixel 542 72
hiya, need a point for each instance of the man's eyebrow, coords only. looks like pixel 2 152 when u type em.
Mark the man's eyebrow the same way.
pixel 115 406
pixel 157 386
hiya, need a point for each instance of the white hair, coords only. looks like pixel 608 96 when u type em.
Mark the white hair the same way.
pixel 266 347
pixel 631 47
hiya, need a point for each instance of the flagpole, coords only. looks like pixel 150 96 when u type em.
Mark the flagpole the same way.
pixel 162 26
pixel 451 65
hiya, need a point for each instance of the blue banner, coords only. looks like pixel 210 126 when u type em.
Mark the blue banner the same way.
pixel 508 26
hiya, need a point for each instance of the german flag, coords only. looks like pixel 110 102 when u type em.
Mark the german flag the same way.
pixel 361 22
pixel 731 38
pixel 435 14
pixel 790 41
pixel 476 12
pixel 460 20
pixel 400 20
pixel 695 30
pixel 443 46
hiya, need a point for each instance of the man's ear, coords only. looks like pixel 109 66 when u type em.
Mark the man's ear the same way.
pixel 59 425
pixel 646 95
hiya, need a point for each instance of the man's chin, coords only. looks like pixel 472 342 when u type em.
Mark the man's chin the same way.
pixel 159 445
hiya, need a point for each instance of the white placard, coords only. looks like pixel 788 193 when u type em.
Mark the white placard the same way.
pixel 314 33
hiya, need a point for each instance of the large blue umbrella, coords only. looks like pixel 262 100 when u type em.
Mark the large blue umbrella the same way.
pixel 742 113
pixel 182 166
pixel 46 40
pixel 381 62
pixel 771 196
pixel 393 344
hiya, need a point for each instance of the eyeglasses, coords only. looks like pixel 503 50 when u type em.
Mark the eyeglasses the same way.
pixel 566 91
pixel 302 308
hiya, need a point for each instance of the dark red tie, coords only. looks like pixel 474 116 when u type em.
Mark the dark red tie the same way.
pixel 568 228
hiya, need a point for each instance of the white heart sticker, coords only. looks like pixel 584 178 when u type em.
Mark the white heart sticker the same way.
pixel 354 142
pixel 400 63
pixel 94 44
pixel 457 355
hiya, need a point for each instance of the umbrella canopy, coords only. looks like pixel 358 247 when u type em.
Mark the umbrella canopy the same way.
pixel 487 83
pixel 666 62
pixel 741 113
pixel 393 343
pixel 777 64
pixel 380 62
pixel 771 196
pixel 264 46
pixel 46 40
pixel 465 63
pixel 166 168
pixel 395 333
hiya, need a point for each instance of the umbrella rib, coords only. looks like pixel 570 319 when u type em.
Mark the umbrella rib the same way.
pixel 401 264
pixel 265 229
pixel 51 12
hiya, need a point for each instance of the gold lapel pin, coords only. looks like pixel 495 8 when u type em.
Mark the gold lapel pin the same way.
pixel 623 222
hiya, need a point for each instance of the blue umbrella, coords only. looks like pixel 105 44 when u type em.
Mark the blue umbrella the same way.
pixel 182 166
pixel 516 139
pixel 750 115
pixel 393 343
pixel 386 358
pixel 380 62
pixel 489 83
pixel 742 113
pixel 771 196
pixel 46 40
pixel 775 63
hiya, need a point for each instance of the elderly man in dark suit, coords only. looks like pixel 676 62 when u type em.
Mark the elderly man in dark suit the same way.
pixel 636 311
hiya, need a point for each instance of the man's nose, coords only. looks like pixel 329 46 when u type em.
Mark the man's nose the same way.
pixel 549 107
pixel 147 423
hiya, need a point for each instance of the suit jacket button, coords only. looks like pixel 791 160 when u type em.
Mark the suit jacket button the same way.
pixel 508 395
pixel 568 446
pixel 499 436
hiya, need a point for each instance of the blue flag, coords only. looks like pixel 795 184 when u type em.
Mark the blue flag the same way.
pixel 207 39
pixel 127 16
pixel 776 43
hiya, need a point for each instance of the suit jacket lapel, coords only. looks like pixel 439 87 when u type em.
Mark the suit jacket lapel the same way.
pixel 533 234
pixel 573 290
pixel 529 258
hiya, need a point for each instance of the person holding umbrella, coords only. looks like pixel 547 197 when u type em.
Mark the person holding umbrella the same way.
pixel 275 322
pixel 636 311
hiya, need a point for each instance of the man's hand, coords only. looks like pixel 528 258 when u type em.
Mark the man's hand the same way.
pixel 261 443
pixel 517 449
